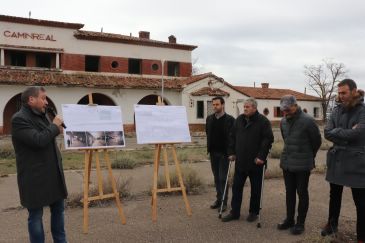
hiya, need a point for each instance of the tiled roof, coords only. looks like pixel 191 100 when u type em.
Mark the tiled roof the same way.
pixel 109 37
pixel 210 92
pixel 10 76
pixel 273 94
pixel 41 22
pixel 257 93
pixel 55 78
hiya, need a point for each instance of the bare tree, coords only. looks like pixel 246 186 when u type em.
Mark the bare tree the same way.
pixel 323 79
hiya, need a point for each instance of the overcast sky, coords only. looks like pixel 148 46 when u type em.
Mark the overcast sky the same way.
pixel 241 41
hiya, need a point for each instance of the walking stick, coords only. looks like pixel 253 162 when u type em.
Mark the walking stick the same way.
pixel 262 193
pixel 225 189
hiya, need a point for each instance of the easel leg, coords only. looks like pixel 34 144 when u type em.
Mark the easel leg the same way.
pixel 181 182
pixel 98 174
pixel 155 178
pixel 167 170
pixel 114 186
pixel 86 190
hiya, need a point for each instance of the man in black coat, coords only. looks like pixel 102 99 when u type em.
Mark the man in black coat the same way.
pixel 40 175
pixel 218 128
pixel 346 158
pixel 302 140
pixel 250 142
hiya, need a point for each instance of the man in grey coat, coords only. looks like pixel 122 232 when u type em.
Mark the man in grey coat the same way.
pixel 40 175
pixel 302 140
pixel 346 158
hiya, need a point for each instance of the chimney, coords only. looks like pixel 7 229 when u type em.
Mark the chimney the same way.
pixel 172 39
pixel 265 85
pixel 144 35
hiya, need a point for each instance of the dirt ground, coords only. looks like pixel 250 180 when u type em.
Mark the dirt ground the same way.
pixel 173 224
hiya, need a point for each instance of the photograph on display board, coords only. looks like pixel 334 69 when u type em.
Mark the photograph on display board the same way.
pixel 93 126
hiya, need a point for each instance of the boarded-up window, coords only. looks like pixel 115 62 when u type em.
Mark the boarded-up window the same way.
pixel 92 63
pixel 316 112
pixel 277 112
pixel 200 109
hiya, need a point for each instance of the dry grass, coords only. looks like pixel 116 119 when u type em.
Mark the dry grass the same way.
pixel 7 152
pixel 277 149
pixel 125 162
pixel 75 200
pixel 193 183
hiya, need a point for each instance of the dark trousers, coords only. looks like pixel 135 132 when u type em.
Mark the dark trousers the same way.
pixel 239 180
pixel 35 223
pixel 296 182
pixel 220 164
pixel 358 195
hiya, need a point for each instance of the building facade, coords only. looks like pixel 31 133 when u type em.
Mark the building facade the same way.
pixel 116 69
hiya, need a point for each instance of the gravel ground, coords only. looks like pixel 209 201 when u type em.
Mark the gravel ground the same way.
pixel 173 224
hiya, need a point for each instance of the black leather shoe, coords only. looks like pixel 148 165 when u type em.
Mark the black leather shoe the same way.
pixel 297 229
pixel 286 224
pixel 215 205
pixel 224 208
pixel 329 230
pixel 251 217
pixel 230 217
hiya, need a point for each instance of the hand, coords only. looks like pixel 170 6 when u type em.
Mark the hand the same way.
pixel 57 120
pixel 259 161
pixel 232 157
pixel 355 126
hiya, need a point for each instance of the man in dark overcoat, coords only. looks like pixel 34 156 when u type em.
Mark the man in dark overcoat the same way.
pixel 250 143
pixel 40 175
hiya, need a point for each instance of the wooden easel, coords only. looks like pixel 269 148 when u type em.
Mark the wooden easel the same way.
pixel 156 164
pixel 88 159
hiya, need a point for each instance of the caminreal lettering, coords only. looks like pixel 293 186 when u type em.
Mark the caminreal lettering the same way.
pixel 26 35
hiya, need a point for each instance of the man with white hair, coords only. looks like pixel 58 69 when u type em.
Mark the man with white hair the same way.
pixel 250 142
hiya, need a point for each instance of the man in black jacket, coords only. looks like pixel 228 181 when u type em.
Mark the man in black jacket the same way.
pixel 250 142
pixel 218 127
pixel 302 140
pixel 40 175
pixel 346 159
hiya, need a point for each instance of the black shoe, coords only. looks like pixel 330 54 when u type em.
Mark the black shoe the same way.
pixel 251 217
pixel 329 230
pixel 286 224
pixel 224 208
pixel 215 205
pixel 230 217
pixel 297 229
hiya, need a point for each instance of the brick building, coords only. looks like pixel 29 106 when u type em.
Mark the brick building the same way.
pixel 117 69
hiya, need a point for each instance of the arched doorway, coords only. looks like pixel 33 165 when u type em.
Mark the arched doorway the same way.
pixel 151 100
pixel 14 105
pixel 98 98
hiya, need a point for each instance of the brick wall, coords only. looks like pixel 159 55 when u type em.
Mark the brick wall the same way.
pixel 197 127
pixel 106 64
pixel 129 128
pixel 147 67
pixel 30 59
pixel 73 62
pixel 185 69
pixel 76 62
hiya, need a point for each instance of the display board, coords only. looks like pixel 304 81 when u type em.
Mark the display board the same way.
pixel 92 126
pixel 161 124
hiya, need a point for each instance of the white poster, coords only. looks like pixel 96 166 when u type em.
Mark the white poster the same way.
pixel 92 126
pixel 161 124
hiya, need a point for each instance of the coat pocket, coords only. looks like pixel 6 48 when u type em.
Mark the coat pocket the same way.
pixel 353 162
